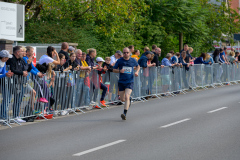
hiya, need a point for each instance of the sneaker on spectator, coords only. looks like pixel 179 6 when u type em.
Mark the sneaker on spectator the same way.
pixel 64 112
pixel 42 99
pixel 36 112
pixel 92 103
pixel 96 106
pixel 19 120
pixel 103 103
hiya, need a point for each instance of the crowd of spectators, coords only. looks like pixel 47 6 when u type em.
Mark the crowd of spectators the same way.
pixel 71 59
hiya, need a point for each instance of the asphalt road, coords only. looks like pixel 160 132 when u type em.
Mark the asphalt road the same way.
pixel 200 125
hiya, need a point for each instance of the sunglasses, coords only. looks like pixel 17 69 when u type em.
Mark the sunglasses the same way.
pixel 125 52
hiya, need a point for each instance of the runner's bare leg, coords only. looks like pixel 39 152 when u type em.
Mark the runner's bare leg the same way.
pixel 125 97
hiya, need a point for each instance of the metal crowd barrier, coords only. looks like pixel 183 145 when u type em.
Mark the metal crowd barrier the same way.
pixel 74 91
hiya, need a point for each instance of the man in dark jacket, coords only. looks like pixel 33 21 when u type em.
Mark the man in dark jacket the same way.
pixel 64 50
pixel 148 73
pixel 144 59
pixel 20 68
pixel 157 54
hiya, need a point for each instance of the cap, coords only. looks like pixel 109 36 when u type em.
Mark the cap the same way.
pixel 5 53
pixel 119 52
pixel 71 48
pixel 99 59
pixel 148 52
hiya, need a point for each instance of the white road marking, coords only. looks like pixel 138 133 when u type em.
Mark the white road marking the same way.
pixel 217 110
pixel 171 124
pixel 98 148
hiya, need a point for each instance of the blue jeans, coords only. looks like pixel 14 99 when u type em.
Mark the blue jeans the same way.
pixel 82 93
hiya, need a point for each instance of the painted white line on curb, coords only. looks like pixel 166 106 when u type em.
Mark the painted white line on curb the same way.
pixel 171 124
pixel 98 148
pixel 217 110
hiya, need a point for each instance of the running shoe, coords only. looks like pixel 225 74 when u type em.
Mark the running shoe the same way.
pixel 123 116
pixel 96 106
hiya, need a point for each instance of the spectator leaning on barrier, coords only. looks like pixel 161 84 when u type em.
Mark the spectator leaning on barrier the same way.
pixel 231 57
pixel 107 77
pixel 166 71
pixel 153 48
pixel 114 78
pixel 71 64
pixel 4 56
pixel 24 51
pixel 83 82
pixel 48 58
pixel 174 59
pixel 191 60
pixel 225 53
pixel 222 56
pixel 79 60
pixel 19 67
pixel 157 53
pixel 86 82
pixel 115 57
pixel 209 59
pixel 188 55
pixel 208 67
pixel 92 53
pixel 144 60
pixel 125 66
pixel 201 59
pixel 60 67
pixel 166 60
pixel 78 56
pixel 64 50
pixel 28 59
pixel 236 56
pixel 136 54
pixel 90 61
pixel 182 61
pixel 216 56
pixel 131 48
pixel 101 71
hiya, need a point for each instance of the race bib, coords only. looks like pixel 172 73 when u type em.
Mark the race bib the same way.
pixel 128 70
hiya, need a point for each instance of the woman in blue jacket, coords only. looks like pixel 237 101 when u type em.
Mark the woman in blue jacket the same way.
pixel 4 56
pixel 201 59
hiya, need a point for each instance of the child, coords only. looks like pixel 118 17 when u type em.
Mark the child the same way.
pixel 106 77
pixel 100 61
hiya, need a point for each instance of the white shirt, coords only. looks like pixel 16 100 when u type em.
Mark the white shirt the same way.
pixel 45 59
pixel 113 59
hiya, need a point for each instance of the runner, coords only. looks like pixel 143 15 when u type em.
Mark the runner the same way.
pixel 125 67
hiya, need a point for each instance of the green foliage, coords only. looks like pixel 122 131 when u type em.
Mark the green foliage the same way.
pixel 112 25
